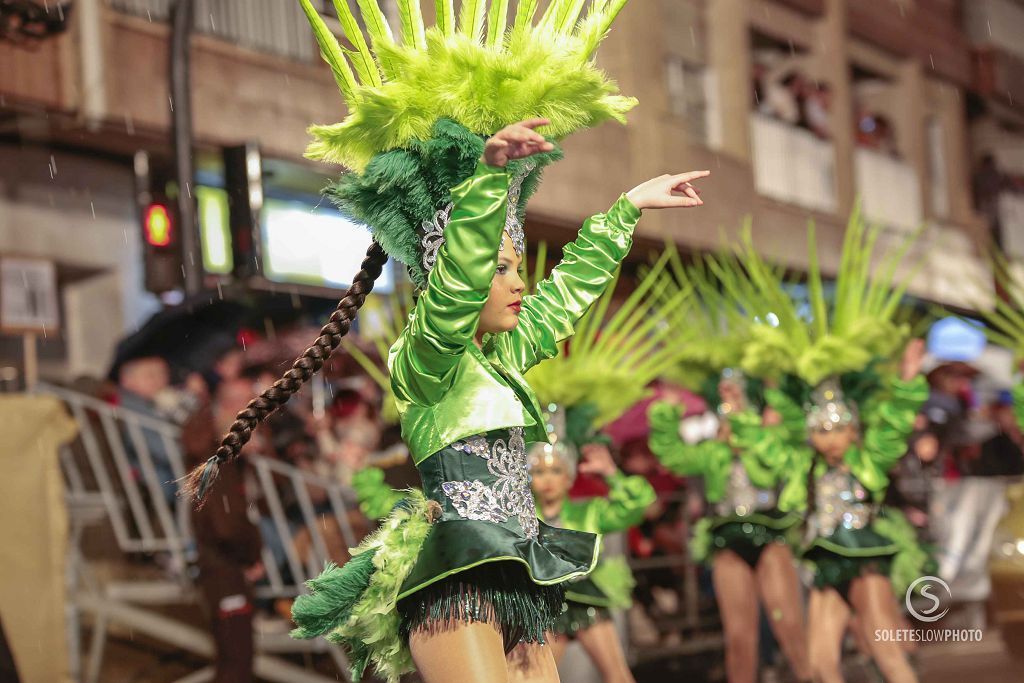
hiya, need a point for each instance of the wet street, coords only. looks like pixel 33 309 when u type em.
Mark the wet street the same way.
pixel 984 662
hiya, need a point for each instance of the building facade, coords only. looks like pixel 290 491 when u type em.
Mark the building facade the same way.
pixel 803 109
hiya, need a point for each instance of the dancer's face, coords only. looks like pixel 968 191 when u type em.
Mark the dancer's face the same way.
pixel 550 480
pixel 501 310
pixel 834 443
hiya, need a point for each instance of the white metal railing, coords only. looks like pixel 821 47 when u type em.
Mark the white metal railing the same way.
pixel 274 26
pixel 792 164
pixel 1011 223
pixel 120 471
pixel 890 190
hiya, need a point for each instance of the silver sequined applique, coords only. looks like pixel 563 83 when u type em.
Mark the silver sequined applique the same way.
pixel 433 236
pixel 513 225
pixel 474 500
pixel 741 496
pixel 509 495
pixel 840 501
pixel 474 445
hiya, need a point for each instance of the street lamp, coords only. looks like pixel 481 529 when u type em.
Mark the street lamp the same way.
pixel 32 21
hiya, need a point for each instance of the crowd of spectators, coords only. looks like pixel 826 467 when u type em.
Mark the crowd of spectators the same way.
pixel 962 442
pixel 789 95
pixel 794 98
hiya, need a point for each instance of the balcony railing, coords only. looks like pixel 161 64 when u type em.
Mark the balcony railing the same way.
pixel 1011 223
pixel 956 275
pixel 792 164
pixel 273 26
pixel 890 190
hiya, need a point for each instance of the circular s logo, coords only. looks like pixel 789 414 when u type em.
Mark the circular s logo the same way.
pixel 928 585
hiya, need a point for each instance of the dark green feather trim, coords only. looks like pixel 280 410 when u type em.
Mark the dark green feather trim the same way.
pixel 402 188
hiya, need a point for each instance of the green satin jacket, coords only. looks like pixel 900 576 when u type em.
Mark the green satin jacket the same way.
pixel 446 388
pixel 886 430
pixel 763 459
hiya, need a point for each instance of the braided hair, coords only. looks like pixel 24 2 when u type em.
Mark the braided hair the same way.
pixel 197 483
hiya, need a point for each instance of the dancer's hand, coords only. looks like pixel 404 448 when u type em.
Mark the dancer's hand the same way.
pixel 597 459
pixel 516 142
pixel 913 359
pixel 668 191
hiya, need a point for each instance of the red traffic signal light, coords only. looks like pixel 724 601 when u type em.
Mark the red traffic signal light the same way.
pixel 158 226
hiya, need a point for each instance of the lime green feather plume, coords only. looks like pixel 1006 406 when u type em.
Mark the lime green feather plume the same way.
pixel 713 330
pixel 827 337
pixel 613 356
pixel 482 80
pixel 413 31
pixel 444 10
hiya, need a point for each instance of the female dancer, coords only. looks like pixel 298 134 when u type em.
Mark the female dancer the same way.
pixel 464 573
pixel 588 602
pixel 839 478
pixel 855 548
pixel 747 539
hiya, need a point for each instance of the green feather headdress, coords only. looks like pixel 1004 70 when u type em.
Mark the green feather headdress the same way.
pixel 1006 317
pixel 420 106
pixel 820 338
pixel 480 72
pixel 606 367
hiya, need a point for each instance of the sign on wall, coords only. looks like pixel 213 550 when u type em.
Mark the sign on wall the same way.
pixel 28 295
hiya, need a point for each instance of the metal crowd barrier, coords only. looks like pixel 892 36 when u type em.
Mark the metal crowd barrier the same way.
pixel 110 474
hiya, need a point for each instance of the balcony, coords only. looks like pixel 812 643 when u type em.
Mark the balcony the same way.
pixel 890 190
pixel 792 164
pixel 275 27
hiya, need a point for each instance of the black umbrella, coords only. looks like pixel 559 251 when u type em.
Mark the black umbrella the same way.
pixel 190 336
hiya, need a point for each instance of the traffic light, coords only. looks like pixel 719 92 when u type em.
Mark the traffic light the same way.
pixel 156 195
pixel 158 226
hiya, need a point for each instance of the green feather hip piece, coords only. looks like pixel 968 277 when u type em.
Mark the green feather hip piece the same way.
pixel 355 605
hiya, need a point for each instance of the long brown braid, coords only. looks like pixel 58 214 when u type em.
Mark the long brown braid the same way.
pixel 199 480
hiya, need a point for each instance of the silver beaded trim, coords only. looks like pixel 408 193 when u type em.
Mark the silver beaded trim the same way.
pixel 509 496
pixel 513 225
pixel 840 501
pixel 742 498
pixel 433 236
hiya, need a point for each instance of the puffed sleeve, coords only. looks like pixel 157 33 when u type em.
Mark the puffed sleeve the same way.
pixel 588 266
pixel 424 360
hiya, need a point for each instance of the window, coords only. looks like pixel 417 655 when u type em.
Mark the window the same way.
pixel 687 89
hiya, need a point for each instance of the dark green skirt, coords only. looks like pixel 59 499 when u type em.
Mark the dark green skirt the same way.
pixel 488 558
pixel 749 536
pixel 848 554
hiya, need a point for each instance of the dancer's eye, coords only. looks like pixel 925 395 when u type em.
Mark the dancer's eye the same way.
pixel 502 269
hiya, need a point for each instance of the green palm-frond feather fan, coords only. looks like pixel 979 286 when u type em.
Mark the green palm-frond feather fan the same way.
pixel 615 354
pixel 825 336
